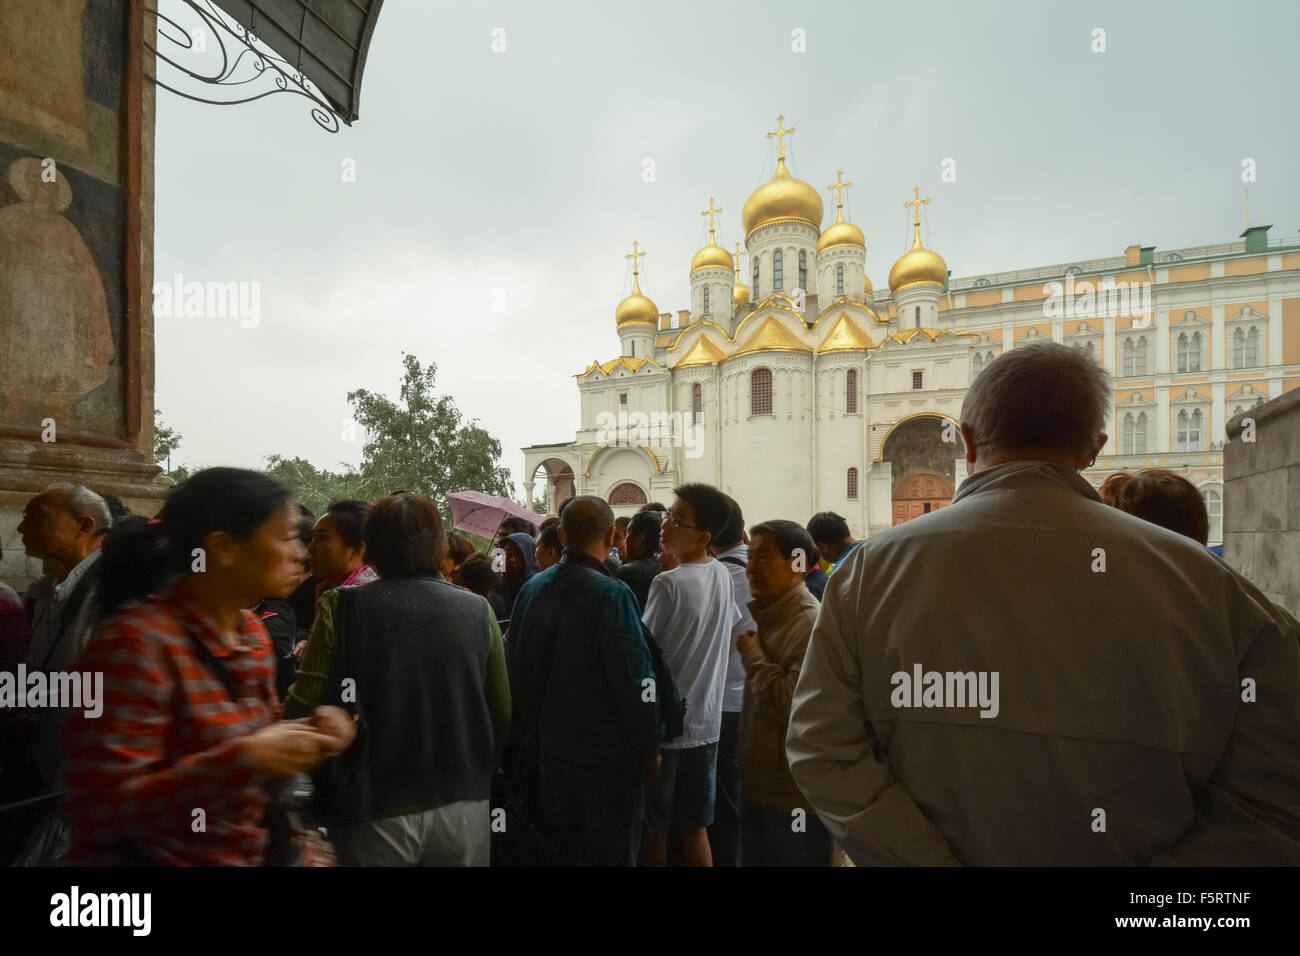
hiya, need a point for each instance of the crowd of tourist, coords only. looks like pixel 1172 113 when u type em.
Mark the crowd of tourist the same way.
pixel 1036 674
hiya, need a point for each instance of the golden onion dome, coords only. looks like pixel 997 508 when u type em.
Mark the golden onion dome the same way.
pixel 841 233
pixel 919 266
pixel 782 197
pixel 739 294
pixel 636 308
pixel 713 255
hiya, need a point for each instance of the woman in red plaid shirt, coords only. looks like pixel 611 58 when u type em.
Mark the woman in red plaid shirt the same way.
pixel 180 767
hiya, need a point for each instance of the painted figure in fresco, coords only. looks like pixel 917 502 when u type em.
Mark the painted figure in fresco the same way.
pixel 55 339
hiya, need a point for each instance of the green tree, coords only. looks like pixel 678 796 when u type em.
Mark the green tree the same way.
pixel 316 487
pixel 422 443
pixel 165 440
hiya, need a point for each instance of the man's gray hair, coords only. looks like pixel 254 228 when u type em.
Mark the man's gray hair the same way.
pixel 1041 395
pixel 84 503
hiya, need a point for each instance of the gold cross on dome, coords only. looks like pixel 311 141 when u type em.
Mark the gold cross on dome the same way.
pixel 635 256
pixel 738 254
pixel 838 187
pixel 917 203
pixel 712 214
pixel 780 134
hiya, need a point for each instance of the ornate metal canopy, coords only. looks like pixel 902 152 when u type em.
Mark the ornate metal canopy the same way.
pixel 236 51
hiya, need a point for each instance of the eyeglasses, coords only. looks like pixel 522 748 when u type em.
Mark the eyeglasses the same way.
pixel 677 522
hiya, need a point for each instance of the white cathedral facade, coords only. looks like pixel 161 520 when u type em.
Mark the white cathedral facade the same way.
pixel 794 388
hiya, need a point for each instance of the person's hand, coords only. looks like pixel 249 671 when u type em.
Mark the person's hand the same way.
pixel 285 748
pixel 747 642
pixel 650 768
pixel 335 723
pixel 298 650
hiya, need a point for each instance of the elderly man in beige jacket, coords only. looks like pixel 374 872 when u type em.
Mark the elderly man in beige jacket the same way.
pixel 1029 677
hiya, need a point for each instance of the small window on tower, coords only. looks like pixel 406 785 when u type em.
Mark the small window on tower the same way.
pixel 706 300
pixel 916 380
pixel 777 271
pixel 634 348
pixel 839 280
pixel 803 269
pixel 918 316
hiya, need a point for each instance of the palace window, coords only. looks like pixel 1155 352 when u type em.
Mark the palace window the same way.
pixel 706 300
pixel 697 404
pixel 853 484
pixel 1245 348
pixel 851 392
pixel 1189 431
pixel 1214 511
pixel 839 280
pixel 1133 434
pixel 917 380
pixel 1189 352
pixel 803 269
pixel 760 392
pixel 778 272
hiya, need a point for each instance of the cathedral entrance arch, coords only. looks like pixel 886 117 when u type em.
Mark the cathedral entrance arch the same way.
pixel 923 466
pixel 559 484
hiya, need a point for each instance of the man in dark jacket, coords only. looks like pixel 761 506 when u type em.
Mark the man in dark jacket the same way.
pixel 583 682
pixel 642 562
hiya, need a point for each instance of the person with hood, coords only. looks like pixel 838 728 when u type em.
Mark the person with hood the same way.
pixel 521 564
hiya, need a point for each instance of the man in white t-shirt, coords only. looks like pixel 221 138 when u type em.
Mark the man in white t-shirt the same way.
pixel 691 612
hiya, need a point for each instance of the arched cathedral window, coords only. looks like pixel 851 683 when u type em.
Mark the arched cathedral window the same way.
pixel 697 404
pixel 851 392
pixel 706 300
pixel 778 272
pixel 839 280
pixel 853 484
pixel 803 269
pixel 760 392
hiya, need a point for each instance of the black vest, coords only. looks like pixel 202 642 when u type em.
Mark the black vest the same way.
pixel 417 649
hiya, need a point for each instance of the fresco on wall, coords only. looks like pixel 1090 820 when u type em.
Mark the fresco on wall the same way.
pixel 62 215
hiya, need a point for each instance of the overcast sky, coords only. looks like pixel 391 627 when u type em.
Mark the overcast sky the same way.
pixel 521 171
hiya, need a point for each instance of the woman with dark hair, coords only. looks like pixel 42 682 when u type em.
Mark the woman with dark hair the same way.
pixel 184 731
pixel 476 575
pixel 549 547
pixel 459 551
pixel 420 663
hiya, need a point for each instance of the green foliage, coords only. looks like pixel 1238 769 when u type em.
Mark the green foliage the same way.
pixel 315 487
pixel 422 443
pixel 165 439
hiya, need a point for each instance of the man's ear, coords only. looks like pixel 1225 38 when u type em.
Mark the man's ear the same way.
pixel 969 438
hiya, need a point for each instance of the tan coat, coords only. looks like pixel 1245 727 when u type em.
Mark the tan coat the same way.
pixel 1121 735
pixel 771 672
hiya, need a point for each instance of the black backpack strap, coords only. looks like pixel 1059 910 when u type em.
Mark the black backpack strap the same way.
pixel 734 559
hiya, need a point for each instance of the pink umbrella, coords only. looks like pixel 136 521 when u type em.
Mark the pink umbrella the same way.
pixel 477 513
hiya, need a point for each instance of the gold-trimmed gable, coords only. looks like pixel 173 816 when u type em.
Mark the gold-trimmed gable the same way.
pixel 772 336
pixel 846 336
pixel 608 368
pixel 698 324
pixel 703 352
